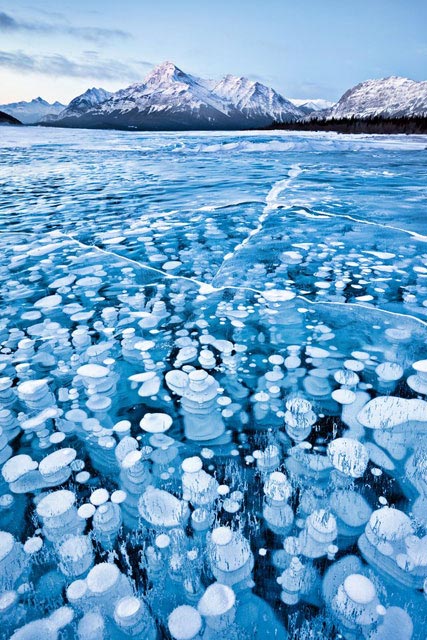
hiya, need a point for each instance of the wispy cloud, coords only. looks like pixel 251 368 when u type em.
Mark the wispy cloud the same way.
pixel 94 34
pixel 91 66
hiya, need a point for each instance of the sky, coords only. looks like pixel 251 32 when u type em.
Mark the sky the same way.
pixel 306 49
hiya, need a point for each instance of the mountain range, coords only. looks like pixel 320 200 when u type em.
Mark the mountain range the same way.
pixel 170 99
pixel 33 111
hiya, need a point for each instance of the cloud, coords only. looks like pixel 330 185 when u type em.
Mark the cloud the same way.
pixel 8 24
pixel 91 66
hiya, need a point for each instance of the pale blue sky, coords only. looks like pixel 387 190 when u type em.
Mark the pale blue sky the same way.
pixel 303 48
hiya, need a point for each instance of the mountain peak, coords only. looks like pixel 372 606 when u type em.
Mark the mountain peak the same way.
pixel 93 91
pixel 165 72
pixel 90 98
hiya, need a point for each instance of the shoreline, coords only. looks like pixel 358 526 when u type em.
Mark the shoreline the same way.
pixel 283 128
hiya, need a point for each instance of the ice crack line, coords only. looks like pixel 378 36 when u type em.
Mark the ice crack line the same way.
pixel 271 204
pixel 206 288
pixel 382 225
pixel 133 262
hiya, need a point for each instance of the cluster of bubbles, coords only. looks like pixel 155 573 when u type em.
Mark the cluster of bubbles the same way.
pixel 187 461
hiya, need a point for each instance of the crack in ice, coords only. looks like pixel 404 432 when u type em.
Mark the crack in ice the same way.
pixel 206 288
pixel 271 204
pixel 382 225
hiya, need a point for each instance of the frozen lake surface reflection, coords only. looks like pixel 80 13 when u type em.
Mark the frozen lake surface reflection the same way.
pixel 213 386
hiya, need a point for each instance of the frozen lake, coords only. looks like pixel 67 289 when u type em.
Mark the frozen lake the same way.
pixel 213 385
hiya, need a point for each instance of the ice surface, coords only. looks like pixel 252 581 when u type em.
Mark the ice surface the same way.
pixel 213 386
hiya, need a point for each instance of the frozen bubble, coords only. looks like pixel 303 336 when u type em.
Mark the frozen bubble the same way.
pixel 95 371
pixel 57 437
pixel 18 466
pixel 6 544
pixel 359 588
pixel 192 465
pixel 76 590
pixel 389 371
pixel 56 503
pixel 389 524
pixel 217 600
pixel 344 396
pixel 127 610
pixel 346 377
pixel 99 496
pixel 86 511
pixel 354 365
pixel 278 295
pixel 32 388
pixel 32 545
pixel 91 626
pixel 222 536
pixel 131 459
pixel 420 366
pixel 184 623
pixel 231 506
pixel 162 541
pixel 223 490
pixel 83 477
pixel 156 422
pixel 102 577
pixel 348 456
pixel 386 412
pixel 122 427
pixel 48 302
pixel 118 496
pixel 56 461
pixel 8 600
pixel 160 508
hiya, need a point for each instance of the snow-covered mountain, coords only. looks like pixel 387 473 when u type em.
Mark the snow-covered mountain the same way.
pixel 392 97
pixel 33 111
pixel 80 104
pixel 165 89
pixel 89 99
pixel 254 98
pixel 308 106
pixel 170 99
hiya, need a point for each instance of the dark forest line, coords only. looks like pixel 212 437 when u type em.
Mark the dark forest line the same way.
pixel 376 124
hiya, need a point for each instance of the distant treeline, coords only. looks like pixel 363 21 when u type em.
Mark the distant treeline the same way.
pixel 376 124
